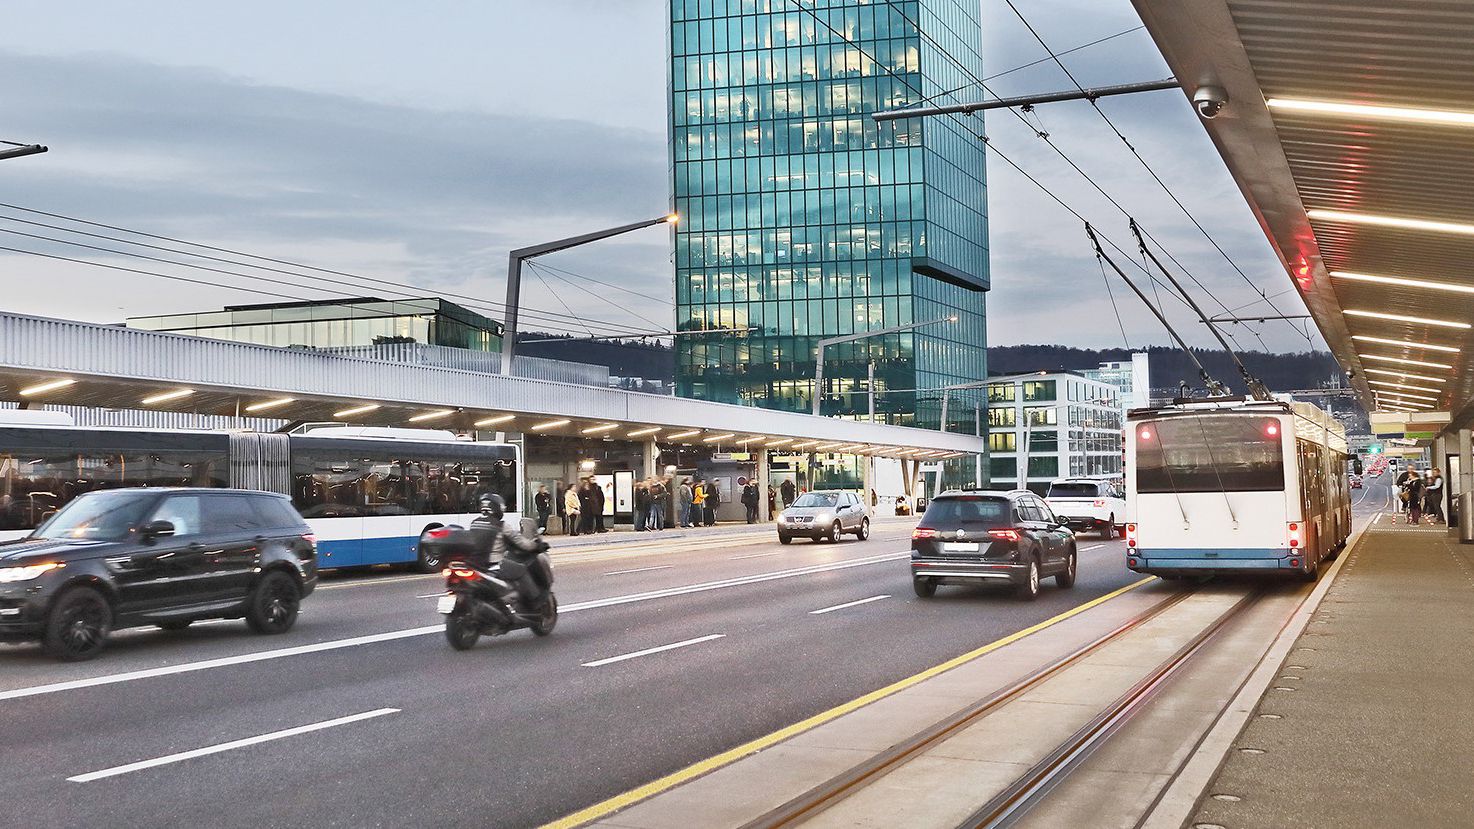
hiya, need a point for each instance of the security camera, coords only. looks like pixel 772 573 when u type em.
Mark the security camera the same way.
pixel 1209 101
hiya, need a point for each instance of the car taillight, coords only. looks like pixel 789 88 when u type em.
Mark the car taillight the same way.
pixel 923 532
pixel 1130 535
pixel 1006 535
pixel 439 532
pixel 462 574
pixel 1099 502
pixel 1296 535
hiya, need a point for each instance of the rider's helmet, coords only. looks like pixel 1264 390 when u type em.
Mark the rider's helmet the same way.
pixel 492 506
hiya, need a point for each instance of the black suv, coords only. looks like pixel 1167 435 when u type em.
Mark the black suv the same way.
pixel 984 536
pixel 167 557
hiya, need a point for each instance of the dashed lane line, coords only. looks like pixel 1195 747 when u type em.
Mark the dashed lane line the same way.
pixel 848 604
pixel 640 570
pixel 230 746
pixel 661 649
pixel 356 641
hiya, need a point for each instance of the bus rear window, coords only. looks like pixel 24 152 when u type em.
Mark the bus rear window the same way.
pixel 1209 453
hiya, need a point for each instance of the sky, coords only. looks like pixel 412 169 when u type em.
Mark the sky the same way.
pixel 418 143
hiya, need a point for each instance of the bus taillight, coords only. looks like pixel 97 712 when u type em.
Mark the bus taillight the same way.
pixel 1130 535
pixel 1296 536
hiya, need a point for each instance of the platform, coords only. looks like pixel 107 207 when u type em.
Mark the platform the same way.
pixel 1370 720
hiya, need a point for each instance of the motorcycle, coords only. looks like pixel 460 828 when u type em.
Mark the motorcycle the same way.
pixel 513 593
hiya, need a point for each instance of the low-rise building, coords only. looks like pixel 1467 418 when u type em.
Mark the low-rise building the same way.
pixel 1049 425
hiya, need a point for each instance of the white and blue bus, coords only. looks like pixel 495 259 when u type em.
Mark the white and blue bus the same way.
pixel 1234 485
pixel 369 493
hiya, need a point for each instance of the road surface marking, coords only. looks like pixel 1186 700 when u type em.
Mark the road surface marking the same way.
pixel 1091 547
pixel 640 570
pixel 432 595
pixel 849 604
pixel 368 581
pixel 754 555
pixel 230 746
pixel 633 796
pixel 335 644
pixel 646 652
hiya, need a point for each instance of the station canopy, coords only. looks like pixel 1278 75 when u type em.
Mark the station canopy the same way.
pixel 1349 128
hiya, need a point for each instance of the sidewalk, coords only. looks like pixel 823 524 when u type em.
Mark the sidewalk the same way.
pixel 1370 720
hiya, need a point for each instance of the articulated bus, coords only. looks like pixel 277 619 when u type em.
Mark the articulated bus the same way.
pixel 1230 485
pixel 369 493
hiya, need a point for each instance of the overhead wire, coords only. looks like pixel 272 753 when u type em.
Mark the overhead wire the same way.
pixel 1043 135
pixel 549 271
pixel 1153 173
pixel 542 316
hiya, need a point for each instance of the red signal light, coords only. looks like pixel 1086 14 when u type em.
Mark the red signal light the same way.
pixel 439 532
pixel 1130 535
pixel 1296 536
pixel 1145 434
pixel 1271 428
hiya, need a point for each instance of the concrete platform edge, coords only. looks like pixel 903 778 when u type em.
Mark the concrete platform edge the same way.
pixel 1180 798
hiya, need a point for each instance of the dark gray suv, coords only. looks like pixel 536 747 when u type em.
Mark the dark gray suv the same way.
pixel 167 557
pixel 986 537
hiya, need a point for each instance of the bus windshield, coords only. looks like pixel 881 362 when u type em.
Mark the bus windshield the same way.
pixel 1209 453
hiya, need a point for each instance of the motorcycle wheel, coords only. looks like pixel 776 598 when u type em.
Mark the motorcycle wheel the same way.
pixel 461 632
pixel 549 618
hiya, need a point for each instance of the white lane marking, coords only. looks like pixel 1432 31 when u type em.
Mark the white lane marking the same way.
pixel 369 580
pixel 646 652
pixel 640 570
pixel 1091 547
pixel 431 595
pixel 754 555
pixel 335 644
pixel 849 604
pixel 230 746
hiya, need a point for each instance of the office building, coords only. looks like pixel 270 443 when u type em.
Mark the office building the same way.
pixel 1131 379
pixel 803 218
pixel 1049 425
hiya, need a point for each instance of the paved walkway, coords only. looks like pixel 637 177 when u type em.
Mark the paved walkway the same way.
pixel 1370 721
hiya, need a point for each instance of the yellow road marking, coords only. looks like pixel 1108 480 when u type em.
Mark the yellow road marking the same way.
pixel 691 772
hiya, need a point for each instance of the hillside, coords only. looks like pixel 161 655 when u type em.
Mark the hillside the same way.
pixel 1281 372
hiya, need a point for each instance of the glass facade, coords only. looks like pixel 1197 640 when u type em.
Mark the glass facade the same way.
pixel 803 218
pixel 338 323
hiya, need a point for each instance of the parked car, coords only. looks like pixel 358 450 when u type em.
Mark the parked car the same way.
pixel 168 557
pixel 990 537
pixel 1089 504
pixel 824 514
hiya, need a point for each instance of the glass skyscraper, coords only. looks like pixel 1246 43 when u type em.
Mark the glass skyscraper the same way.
pixel 803 218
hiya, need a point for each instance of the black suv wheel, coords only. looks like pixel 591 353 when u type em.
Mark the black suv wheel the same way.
pixel 1028 590
pixel 1066 579
pixel 272 607
pixel 78 625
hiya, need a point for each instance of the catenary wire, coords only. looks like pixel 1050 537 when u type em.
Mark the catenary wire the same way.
pixel 549 272
pixel 538 315
pixel 482 304
pixel 1155 177
pixel 1047 140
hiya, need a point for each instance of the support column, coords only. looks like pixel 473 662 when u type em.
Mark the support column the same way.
pixel 651 458
pixel 763 513
pixel 867 478
pixel 1466 461
pixel 977 425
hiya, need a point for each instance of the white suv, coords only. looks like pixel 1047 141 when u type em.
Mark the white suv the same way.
pixel 1089 504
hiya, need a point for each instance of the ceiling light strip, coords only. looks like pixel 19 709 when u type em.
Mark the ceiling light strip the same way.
pixel 1404 361
pixel 1447 117
pixel 1404 282
pixel 1400 222
pixel 1448 349
pixel 1402 318
pixel 1404 375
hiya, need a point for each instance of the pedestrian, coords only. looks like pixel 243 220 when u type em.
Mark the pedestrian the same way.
pixel 669 517
pixel 642 506
pixel 750 497
pixel 572 506
pixel 586 505
pixel 683 502
pixel 544 504
pixel 655 519
pixel 713 500
pixel 1414 491
pixel 1433 496
pixel 698 503
pixel 1404 478
pixel 600 499
pixel 787 491
pixel 772 501
pixel 560 502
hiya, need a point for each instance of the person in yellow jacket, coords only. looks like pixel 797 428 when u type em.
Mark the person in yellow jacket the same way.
pixel 698 503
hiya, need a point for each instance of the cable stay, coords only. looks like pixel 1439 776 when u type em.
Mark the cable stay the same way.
pixel 1215 388
pixel 1256 388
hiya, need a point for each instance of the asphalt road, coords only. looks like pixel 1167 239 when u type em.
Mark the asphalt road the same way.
pixel 516 732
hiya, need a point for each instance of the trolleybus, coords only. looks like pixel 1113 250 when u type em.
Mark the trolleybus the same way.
pixel 369 493
pixel 1235 485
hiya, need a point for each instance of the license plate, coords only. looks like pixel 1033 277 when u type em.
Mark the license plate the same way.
pixel 446 604
pixel 959 547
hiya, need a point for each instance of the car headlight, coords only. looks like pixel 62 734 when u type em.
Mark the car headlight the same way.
pixel 28 572
pixel 823 518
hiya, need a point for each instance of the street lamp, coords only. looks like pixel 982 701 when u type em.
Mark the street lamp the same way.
pixel 828 341
pixel 514 274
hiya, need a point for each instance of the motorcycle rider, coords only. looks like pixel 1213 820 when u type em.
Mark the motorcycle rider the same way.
pixel 506 542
